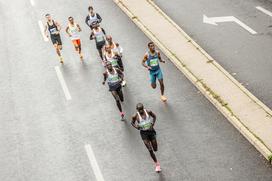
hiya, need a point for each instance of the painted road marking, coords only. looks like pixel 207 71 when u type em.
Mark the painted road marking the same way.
pixel 42 29
pixel 264 11
pixel 32 2
pixel 95 167
pixel 215 20
pixel 63 83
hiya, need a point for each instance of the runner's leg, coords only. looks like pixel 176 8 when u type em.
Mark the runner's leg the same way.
pixel 116 97
pixel 120 94
pixel 149 147
pixel 162 86
pixel 154 144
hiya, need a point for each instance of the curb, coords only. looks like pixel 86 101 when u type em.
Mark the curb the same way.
pixel 215 99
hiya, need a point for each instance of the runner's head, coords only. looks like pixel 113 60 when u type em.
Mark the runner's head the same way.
pixel 91 11
pixel 109 38
pixel 108 48
pixel 151 46
pixel 109 66
pixel 48 17
pixel 140 108
pixel 71 20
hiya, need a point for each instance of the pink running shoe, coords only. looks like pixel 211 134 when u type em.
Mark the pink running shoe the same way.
pixel 158 167
pixel 122 114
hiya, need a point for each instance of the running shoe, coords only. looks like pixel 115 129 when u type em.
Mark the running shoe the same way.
pixel 61 60
pixel 81 57
pixel 158 167
pixel 163 98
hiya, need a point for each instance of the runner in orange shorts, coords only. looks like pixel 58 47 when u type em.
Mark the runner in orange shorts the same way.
pixel 73 30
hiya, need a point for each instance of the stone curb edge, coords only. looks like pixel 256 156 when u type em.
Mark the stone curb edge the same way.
pixel 206 91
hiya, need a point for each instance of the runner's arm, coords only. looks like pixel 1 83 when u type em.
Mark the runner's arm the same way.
pixel 105 76
pixel 45 30
pixel 92 36
pixel 133 121
pixel 79 28
pixel 153 116
pixel 67 28
pixel 87 21
pixel 58 26
pixel 120 49
pixel 144 62
pixel 160 59
pixel 99 18
pixel 120 73
pixel 103 31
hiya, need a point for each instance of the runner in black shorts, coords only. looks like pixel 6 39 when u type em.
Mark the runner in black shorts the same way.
pixel 142 121
pixel 99 35
pixel 53 28
pixel 114 77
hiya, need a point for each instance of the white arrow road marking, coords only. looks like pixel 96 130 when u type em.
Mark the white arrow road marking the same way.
pixel 94 164
pixel 264 11
pixel 63 83
pixel 215 20
pixel 42 29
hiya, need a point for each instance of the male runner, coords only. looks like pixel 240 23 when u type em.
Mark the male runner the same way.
pixel 116 48
pixel 142 121
pixel 114 78
pixel 115 60
pixel 73 30
pixel 92 17
pixel 53 27
pixel 98 34
pixel 151 62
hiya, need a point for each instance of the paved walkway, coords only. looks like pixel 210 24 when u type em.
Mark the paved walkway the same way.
pixel 250 116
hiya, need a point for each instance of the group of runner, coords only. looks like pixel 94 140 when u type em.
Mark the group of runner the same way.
pixel 111 58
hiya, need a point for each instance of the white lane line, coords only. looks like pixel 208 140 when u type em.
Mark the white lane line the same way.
pixel 32 2
pixel 95 167
pixel 63 84
pixel 42 29
pixel 264 11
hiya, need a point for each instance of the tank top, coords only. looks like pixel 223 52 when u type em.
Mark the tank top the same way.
pixel 144 124
pixel 92 19
pixel 99 35
pixel 153 61
pixel 73 29
pixel 52 28
pixel 112 59
pixel 114 78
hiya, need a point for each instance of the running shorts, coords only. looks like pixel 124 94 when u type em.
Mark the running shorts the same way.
pixel 56 39
pixel 148 134
pixel 76 42
pixel 156 74
pixel 116 87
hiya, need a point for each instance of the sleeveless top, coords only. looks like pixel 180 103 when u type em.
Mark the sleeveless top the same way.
pixel 52 28
pixel 92 19
pixel 99 35
pixel 113 79
pixel 145 124
pixel 111 59
pixel 153 61
pixel 73 29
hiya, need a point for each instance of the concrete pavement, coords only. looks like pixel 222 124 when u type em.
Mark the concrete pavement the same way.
pixel 44 134
pixel 250 116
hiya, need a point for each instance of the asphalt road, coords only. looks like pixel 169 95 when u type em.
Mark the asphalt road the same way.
pixel 247 57
pixel 43 135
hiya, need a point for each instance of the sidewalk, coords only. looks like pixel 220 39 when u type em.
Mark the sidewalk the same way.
pixel 250 116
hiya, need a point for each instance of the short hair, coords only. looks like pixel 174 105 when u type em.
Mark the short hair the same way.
pixel 70 17
pixel 90 8
pixel 47 14
pixel 150 43
pixel 139 105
